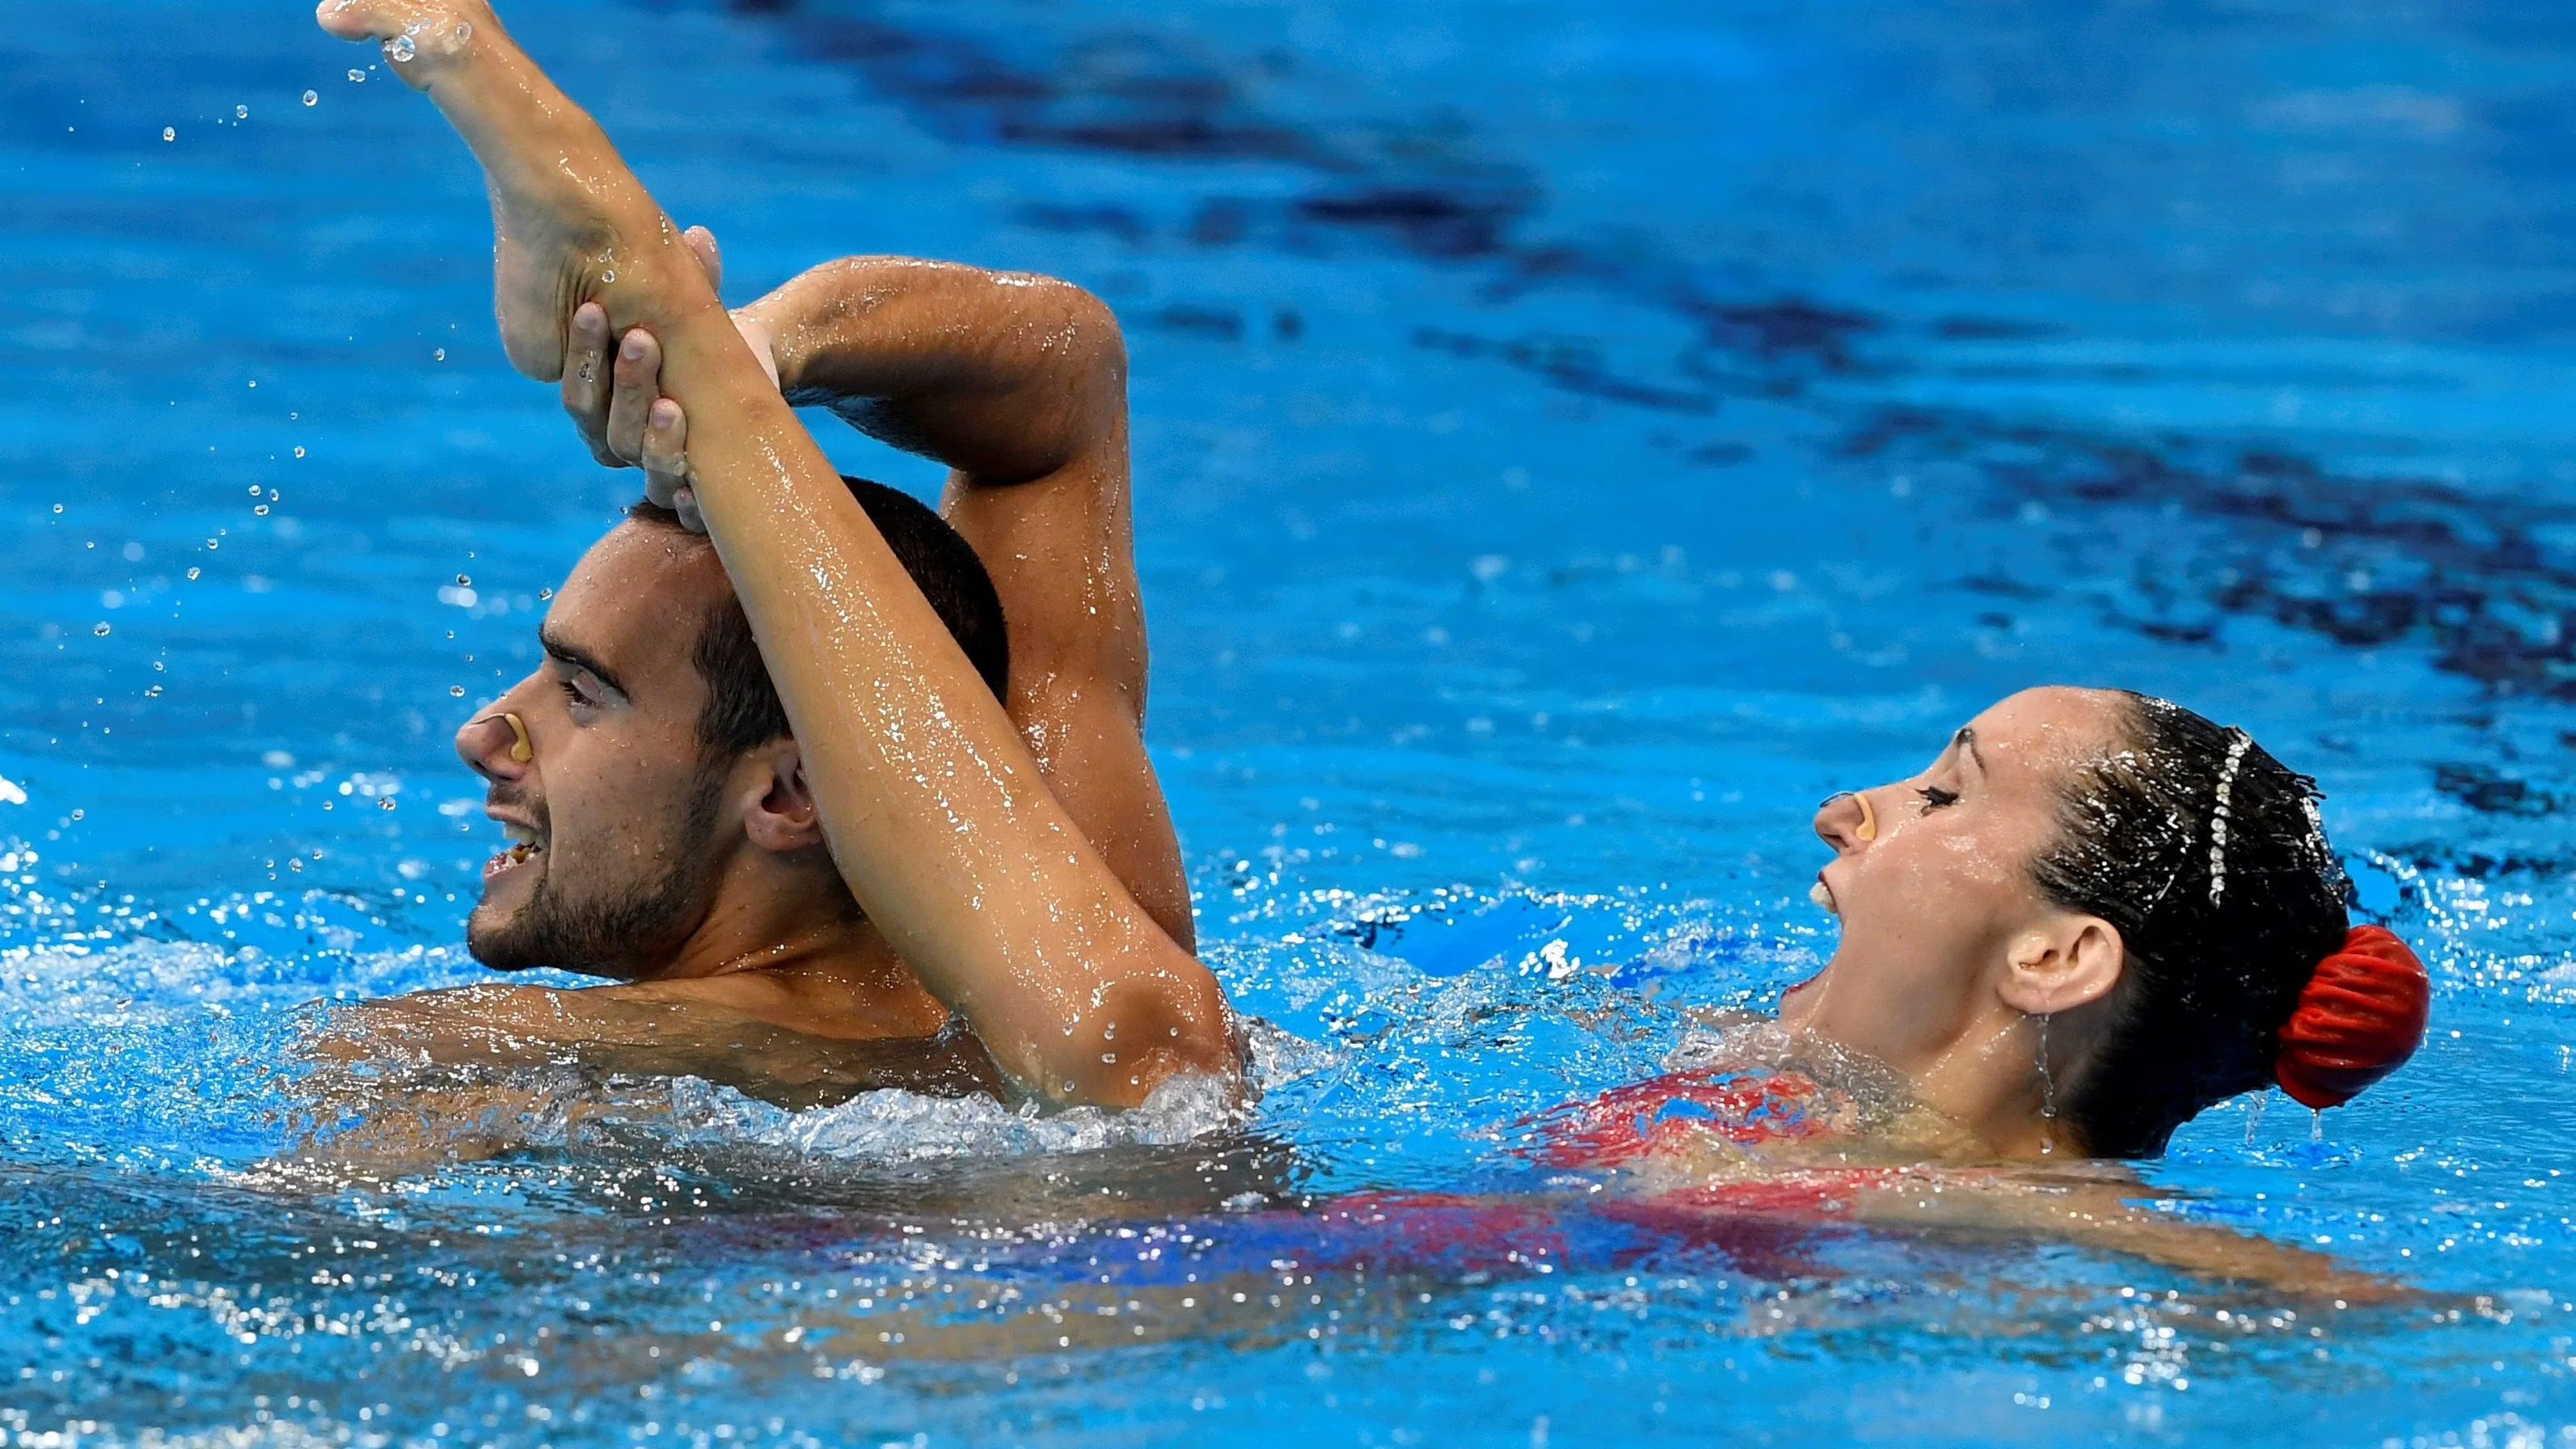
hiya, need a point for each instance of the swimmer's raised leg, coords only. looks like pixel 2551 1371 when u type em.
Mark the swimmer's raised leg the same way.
pixel 567 214
pixel 935 811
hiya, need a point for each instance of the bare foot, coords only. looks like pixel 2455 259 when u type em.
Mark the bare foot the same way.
pixel 570 222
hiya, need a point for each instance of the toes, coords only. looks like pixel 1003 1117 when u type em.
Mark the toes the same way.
pixel 429 24
pixel 415 34
pixel 359 19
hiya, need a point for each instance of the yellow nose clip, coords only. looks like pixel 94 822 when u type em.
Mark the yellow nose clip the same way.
pixel 520 750
pixel 1868 817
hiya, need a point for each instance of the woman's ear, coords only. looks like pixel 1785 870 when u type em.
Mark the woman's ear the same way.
pixel 2067 963
pixel 782 817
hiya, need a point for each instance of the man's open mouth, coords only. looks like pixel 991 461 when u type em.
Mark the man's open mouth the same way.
pixel 524 846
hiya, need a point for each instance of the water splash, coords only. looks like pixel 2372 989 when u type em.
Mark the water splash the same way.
pixel 904 1126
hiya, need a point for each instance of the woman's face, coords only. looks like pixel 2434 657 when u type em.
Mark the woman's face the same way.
pixel 1932 903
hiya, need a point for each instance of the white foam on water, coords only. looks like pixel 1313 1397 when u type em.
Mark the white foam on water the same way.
pixel 900 1126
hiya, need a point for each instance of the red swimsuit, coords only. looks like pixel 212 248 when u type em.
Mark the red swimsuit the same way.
pixel 1749 1108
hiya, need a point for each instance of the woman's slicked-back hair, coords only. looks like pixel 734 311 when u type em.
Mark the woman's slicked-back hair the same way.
pixel 743 711
pixel 2223 923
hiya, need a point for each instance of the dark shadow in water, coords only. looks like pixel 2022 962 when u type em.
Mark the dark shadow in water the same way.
pixel 2490 791
pixel 2264 533
pixel 1421 187
pixel 2364 562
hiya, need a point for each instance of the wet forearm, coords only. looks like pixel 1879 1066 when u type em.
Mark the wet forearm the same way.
pixel 1004 376
pixel 935 809
pixel 933 806
pixel 936 812
pixel 2105 1217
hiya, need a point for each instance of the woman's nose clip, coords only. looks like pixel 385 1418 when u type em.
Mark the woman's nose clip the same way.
pixel 1868 828
pixel 520 750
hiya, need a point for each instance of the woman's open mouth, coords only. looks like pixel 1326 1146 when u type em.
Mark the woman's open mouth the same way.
pixel 1823 894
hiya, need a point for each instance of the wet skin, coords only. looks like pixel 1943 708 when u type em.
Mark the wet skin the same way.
pixel 774 974
pixel 1949 955
pixel 934 811
pixel 1019 384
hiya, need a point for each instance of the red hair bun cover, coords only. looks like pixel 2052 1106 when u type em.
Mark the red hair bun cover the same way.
pixel 2359 1018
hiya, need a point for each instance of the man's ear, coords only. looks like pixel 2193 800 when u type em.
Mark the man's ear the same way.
pixel 2069 962
pixel 781 818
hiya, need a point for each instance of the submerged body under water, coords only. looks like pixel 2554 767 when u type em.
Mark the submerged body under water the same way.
pixel 1567 447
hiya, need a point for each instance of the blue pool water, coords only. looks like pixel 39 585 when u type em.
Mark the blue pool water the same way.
pixel 1570 440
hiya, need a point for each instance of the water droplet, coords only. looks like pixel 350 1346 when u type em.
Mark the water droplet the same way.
pixel 213 543
pixel 463 32
pixel 311 98
pixel 463 582
pixel 241 113
pixel 400 49
pixel 438 355
pixel 154 692
pixel 541 593
pixel 261 510
pixel 387 803
pixel 454 691
pixel 254 490
pixel 100 629
pixel 299 452
pixel 58 508
pixel 192 574
pixel 357 77
pixel 609 276
pixel 169 133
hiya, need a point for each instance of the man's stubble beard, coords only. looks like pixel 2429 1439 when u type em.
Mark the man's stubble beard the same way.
pixel 613 931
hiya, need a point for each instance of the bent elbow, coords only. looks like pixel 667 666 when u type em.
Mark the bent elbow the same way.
pixel 1149 1033
pixel 1088 330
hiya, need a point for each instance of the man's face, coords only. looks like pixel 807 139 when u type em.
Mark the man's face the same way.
pixel 613 819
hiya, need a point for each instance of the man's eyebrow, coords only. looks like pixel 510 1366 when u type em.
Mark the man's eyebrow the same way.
pixel 1966 736
pixel 558 647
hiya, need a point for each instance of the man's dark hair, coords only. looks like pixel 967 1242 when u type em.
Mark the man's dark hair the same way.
pixel 742 710
pixel 2212 974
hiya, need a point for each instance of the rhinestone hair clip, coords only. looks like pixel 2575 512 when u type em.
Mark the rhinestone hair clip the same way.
pixel 2218 819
